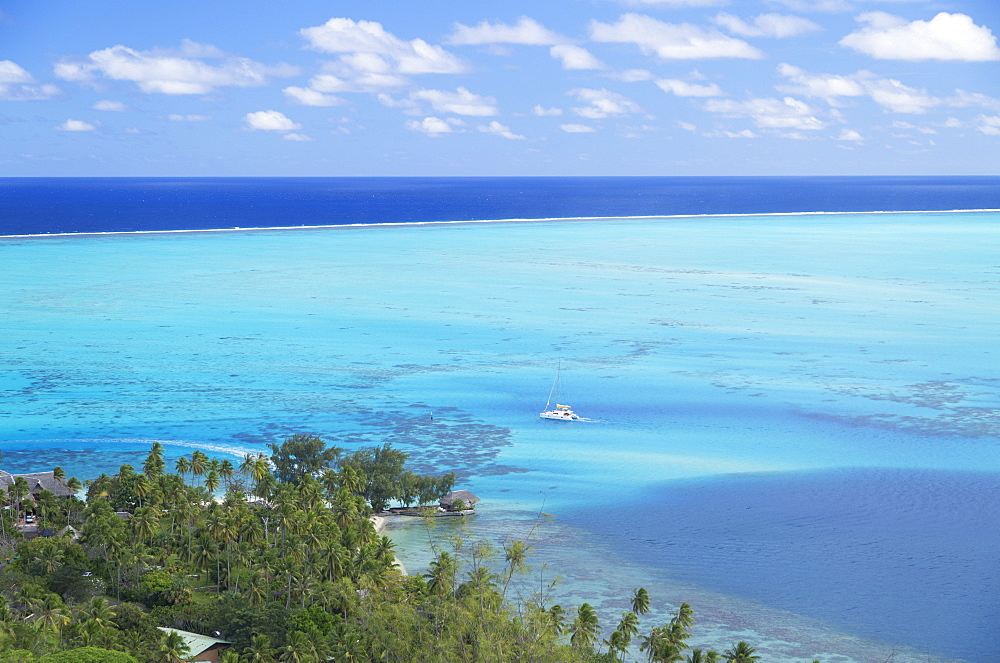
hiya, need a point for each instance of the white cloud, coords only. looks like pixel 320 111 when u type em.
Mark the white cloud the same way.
pixel 168 72
pixel 76 125
pixel 787 113
pixel 829 87
pixel 684 89
pixel 432 126
pixel 16 84
pixel 766 25
pixel 541 111
pixel 898 98
pixel 459 102
pixel 687 126
pixel 310 97
pixel 575 57
pixel 745 133
pixel 577 128
pixel 850 135
pixel 832 6
pixel 498 129
pixel 890 94
pixel 109 105
pixel 672 41
pixel 603 103
pixel 191 117
pixel 963 98
pixel 944 37
pixel 270 120
pixel 344 77
pixel 988 125
pixel 526 31
pixel 675 3
pixel 343 35
pixel 632 75
pixel 11 72
pixel 298 138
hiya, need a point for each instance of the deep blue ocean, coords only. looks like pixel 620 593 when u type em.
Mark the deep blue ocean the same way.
pixel 795 421
pixel 31 206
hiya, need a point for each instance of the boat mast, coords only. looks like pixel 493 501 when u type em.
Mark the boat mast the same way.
pixel 555 383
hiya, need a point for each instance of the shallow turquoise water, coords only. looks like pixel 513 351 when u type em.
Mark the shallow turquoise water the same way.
pixel 715 350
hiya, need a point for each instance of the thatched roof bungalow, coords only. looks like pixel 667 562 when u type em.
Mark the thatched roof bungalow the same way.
pixel 459 500
pixel 37 482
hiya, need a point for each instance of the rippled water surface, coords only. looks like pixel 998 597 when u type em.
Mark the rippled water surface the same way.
pixel 794 419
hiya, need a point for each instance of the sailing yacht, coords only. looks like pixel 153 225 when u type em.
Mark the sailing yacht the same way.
pixel 559 412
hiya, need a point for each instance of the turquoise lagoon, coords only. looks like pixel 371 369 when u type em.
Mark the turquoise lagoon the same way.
pixel 794 421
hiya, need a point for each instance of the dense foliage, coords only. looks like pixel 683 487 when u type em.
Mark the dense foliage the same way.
pixel 287 566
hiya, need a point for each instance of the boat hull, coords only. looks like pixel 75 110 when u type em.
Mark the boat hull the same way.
pixel 560 415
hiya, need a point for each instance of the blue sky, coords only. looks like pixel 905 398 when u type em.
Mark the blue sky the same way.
pixel 562 87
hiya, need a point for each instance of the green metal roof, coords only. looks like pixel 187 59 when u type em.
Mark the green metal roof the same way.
pixel 196 642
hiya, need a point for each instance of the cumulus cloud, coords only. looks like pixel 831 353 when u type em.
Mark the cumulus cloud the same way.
pixel 944 37
pixel 829 87
pixel 672 41
pixel 298 138
pixel 898 98
pixel 675 3
pixel 577 128
pixel 270 120
pixel 541 111
pixel 684 89
pixel 109 105
pixel 459 102
pixel 432 126
pixel 891 94
pixel 526 31
pixel 988 125
pixel 16 84
pixel 850 135
pixel 171 72
pixel 575 57
pixel 632 75
pixel 787 113
pixel 76 125
pixel 766 25
pixel 501 130
pixel 344 35
pixel 190 117
pixel 311 97
pixel 602 103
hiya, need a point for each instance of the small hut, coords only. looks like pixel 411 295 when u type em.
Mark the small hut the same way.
pixel 459 500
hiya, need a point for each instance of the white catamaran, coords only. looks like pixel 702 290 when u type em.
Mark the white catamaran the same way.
pixel 560 412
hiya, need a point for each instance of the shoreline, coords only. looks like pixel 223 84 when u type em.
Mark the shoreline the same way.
pixel 336 226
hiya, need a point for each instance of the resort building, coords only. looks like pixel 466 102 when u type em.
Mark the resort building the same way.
pixel 37 482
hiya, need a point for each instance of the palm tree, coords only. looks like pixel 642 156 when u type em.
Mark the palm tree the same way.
pixel 153 467
pixel 182 466
pixel 172 649
pixel 226 471
pixel 583 632
pixel 741 652
pixel 198 460
pixel 640 601
pixel 259 650
pixel 629 626
pixel 442 574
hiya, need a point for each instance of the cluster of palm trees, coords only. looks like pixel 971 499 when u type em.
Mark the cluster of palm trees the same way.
pixel 297 545
pixel 663 644
pixel 266 545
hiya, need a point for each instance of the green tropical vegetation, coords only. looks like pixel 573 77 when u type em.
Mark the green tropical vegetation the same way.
pixel 279 556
